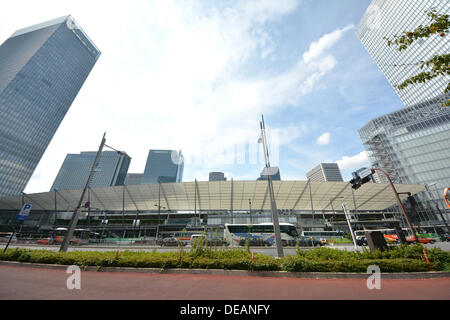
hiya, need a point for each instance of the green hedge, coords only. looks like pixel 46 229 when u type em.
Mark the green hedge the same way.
pixel 400 259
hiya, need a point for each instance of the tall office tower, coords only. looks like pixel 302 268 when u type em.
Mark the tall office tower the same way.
pixel 111 170
pixel 385 18
pixel 163 166
pixel 42 68
pixel 133 179
pixel 325 172
pixel 413 143
pixel 217 176
pixel 276 176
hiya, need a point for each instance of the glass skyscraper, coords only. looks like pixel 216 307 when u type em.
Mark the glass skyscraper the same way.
pixel 385 18
pixel 413 143
pixel 163 166
pixel 111 170
pixel 42 69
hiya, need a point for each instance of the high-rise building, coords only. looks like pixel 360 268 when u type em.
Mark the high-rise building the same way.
pixel 275 176
pixel 133 179
pixel 163 166
pixel 217 176
pixel 385 18
pixel 412 144
pixel 325 172
pixel 111 170
pixel 42 69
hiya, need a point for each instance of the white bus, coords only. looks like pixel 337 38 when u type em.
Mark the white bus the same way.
pixel 235 233
pixel 323 236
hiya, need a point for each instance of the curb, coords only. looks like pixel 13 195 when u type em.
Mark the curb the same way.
pixel 277 274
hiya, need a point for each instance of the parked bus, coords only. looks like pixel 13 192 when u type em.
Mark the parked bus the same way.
pixel 80 236
pixel 235 233
pixel 324 236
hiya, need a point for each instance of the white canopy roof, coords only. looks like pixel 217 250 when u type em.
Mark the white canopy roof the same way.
pixel 220 195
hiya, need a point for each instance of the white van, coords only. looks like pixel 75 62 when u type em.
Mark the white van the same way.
pixel 196 236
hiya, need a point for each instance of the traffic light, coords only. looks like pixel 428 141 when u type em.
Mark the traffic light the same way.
pixel 412 201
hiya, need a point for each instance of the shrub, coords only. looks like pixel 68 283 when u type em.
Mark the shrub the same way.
pixel 399 259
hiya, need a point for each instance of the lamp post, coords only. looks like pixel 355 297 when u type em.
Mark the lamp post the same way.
pixel 344 207
pixel 276 225
pixel 250 206
pixel 159 215
pixel 73 222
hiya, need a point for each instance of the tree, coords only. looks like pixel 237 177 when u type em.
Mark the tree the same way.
pixel 437 66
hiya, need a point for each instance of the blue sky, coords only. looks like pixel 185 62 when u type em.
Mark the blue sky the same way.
pixel 197 75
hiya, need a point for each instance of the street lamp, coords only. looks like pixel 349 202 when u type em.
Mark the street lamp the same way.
pixel 159 214
pixel 268 171
pixel 250 206
pixel 73 222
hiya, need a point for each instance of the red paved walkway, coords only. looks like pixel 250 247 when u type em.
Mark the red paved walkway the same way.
pixel 35 283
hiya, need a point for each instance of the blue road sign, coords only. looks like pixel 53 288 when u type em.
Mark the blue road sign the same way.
pixel 23 214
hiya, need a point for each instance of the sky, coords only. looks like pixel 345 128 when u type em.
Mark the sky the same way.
pixel 197 76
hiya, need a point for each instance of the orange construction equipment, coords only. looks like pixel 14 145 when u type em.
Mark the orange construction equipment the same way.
pixel 425 254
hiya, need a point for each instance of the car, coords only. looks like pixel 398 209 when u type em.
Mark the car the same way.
pixel 170 242
pixel 361 241
pixel 410 239
pixel 308 242
pixel 44 241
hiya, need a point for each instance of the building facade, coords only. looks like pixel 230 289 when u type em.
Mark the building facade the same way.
pixel 385 18
pixel 163 166
pixel 412 144
pixel 325 172
pixel 217 176
pixel 111 170
pixel 133 179
pixel 42 69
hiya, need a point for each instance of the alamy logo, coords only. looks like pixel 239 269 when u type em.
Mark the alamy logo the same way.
pixel 374 281
pixel 74 280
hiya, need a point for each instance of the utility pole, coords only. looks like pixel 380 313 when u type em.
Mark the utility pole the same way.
pixel 250 210
pixel 344 206
pixel 73 222
pixel 276 225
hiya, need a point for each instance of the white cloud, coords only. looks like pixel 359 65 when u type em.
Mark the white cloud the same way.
pixel 324 139
pixel 325 42
pixel 354 162
pixel 170 76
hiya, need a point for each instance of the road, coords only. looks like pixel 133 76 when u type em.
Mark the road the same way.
pixel 46 284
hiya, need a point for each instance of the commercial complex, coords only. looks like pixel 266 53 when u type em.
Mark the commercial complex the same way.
pixel 325 172
pixel 217 176
pixel 412 144
pixel 163 166
pixel 132 211
pixel 42 69
pixel 111 170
